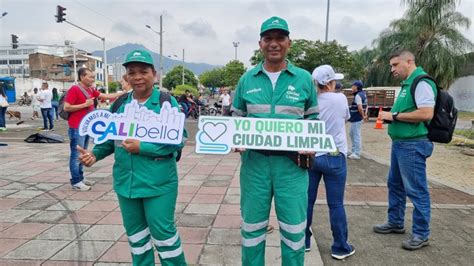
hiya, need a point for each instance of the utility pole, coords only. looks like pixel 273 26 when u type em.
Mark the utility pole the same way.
pixel 161 52
pixel 327 21
pixel 161 48
pixel 236 44
pixel 182 70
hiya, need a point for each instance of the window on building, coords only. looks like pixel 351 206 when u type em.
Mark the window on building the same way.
pixel 3 52
pixel 3 71
pixel 15 62
pixel 26 61
pixel 3 62
pixel 14 52
pixel 28 51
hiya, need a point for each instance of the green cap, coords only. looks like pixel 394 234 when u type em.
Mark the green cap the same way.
pixel 139 56
pixel 274 23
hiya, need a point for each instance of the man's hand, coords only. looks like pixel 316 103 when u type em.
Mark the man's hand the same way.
pixel 89 102
pixel 240 150
pixel 131 145
pixel 387 116
pixel 86 157
pixel 311 153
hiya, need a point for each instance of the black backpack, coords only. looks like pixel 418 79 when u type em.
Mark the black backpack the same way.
pixel 164 97
pixel 441 127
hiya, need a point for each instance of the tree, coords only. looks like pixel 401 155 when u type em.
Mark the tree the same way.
pixel 232 73
pixel 174 78
pixel 430 30
pixel 181 89
pixel 213 78
pixel 310 54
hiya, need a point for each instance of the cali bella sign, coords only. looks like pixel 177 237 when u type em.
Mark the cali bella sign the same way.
pixel 217 135
pixel 136 122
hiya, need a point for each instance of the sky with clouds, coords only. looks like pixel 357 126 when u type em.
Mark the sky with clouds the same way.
pixel 206 29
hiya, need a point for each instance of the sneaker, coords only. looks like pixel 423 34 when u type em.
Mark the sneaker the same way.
pixel 52 129
pixel 87 182
pixel 3 129
pixel 43 129
pixel 270 229
pixel 354 156
pixel 343 256
pixel 307 241
pixel 388 228
pixel 81 187
pixel 414 243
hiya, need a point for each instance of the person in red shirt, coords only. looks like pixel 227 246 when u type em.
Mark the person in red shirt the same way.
pixel 79 101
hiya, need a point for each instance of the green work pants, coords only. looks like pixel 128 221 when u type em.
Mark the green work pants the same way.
pixel 150 221
pixel 261 178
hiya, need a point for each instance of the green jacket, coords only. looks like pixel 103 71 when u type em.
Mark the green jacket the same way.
pixel 294 96
pixel 145 174
pixel 399 130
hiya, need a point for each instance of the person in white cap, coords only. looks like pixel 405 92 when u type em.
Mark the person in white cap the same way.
pixel 331 166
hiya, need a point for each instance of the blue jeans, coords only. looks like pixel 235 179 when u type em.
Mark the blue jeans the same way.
pixel 77 175
pixel 55 106
pixel 47 114
pixel 407 177
pixel 356 138
pixel 333 169
pixel 3 111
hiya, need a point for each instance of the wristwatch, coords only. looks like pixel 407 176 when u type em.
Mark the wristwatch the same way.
pixel 394 116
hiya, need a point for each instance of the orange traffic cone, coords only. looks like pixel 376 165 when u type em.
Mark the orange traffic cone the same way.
pixel 379 123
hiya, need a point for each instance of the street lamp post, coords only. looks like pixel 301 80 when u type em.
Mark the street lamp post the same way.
pixel 236 44
pixel 327 21
pixel 161 48
pixel 182 70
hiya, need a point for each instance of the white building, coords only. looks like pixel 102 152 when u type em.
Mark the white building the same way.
pixel 15 62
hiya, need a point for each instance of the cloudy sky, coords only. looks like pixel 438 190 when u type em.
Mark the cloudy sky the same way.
pixel 206 29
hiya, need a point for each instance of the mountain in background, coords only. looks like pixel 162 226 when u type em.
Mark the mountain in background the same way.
pixel 118 53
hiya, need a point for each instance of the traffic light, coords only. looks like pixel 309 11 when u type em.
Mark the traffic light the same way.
pixel 60 14
pixel 14 41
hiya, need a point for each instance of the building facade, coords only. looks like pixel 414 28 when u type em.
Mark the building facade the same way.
pixel 47 62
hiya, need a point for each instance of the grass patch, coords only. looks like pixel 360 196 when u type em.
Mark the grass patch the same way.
pixel 465 115
pixel 467 133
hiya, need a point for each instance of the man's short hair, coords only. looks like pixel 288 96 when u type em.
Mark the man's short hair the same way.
pixel 82 72
pixel 402 53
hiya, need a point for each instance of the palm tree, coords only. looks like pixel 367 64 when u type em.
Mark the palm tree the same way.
pixel 429 29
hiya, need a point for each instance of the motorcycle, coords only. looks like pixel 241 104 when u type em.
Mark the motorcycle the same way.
pixel 24 100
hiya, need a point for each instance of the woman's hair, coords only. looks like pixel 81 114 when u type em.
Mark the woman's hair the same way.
pixel 55 93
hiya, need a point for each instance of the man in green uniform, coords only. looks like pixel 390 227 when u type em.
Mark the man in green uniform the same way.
pixel 274 89
pixel 145 175
pixel 410 149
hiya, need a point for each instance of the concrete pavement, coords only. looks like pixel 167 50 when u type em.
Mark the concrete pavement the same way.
pixel 44 222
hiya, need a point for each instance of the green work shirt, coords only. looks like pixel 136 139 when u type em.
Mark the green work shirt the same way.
pixel 399 130
pixel 294 96
pixel 145 174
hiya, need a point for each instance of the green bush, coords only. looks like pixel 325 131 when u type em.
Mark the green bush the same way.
pixel 180 89
pixel 468 133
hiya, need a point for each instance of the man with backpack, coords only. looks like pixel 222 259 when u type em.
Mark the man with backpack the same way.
pixel 410 149
pixel 78 102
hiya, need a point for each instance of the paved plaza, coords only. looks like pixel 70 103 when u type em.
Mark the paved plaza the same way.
pixel 44 222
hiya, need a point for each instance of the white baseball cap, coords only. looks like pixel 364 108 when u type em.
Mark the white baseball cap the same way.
pixel 325 74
